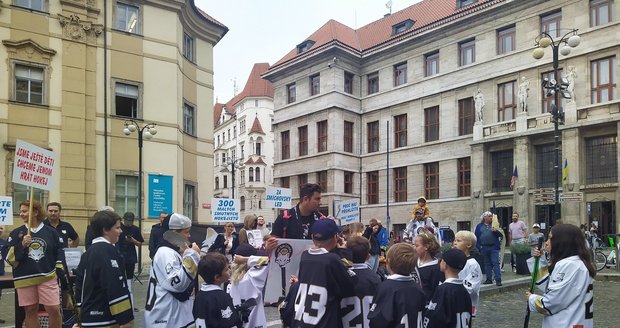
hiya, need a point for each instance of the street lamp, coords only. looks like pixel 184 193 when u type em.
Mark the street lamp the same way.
pixel 234 162
pixel 147 132
pixel 556 87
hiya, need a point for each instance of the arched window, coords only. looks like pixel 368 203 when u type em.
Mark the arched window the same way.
pixel 242 203
pixel 258 150
pixel 226 181
pixel 251 175
pixel 217 182
pixel 257 175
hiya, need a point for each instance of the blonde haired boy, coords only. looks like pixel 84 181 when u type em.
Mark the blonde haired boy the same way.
pixel 471 273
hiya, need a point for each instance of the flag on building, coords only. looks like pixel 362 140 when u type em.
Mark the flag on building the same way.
pixel 565 172
pixel 513 180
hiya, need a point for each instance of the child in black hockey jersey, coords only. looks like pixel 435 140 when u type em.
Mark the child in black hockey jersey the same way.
pixel 450 306
pixel 399 300
pixel 355 308
pixel 427 268
pixel 213 307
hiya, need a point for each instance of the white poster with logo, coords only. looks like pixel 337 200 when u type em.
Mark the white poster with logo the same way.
pixel 278 197
pixel 284 263
pixel 225 210
pixel 348 211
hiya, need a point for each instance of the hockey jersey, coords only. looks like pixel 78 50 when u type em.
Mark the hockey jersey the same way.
pixel 567 300
pixel 213 308
pixel 251 287
pixel 399 303
pixel 471 275
pixel 414 227
pixel 429 277
pixel 450 306
pixel 37 263
pixel 101 288
pixel 354 309
pixel 171 281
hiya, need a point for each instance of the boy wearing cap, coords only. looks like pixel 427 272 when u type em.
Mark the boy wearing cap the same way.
pixel 172 277
pixel 323 280
pixel 450 305
pixel 533 238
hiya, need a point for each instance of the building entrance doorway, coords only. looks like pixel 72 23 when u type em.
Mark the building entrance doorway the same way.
pixel 604 215
pixel 544 217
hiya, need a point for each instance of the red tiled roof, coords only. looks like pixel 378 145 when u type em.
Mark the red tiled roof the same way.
pixel 217 113
pixel 249 161
pixel 256 127
pixel 209 18
pixel 255 86
pixel 260 161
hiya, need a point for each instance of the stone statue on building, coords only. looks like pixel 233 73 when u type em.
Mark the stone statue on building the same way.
pixel 524 89
pixel 571 74
pixel 479 105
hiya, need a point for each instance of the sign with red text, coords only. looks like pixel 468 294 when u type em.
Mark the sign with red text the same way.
pixel 34 166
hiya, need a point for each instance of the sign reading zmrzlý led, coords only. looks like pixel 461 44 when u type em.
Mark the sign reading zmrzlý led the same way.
pixel 34 166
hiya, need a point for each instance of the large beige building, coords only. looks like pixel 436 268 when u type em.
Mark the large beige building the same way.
pixel 76 71
pixel 408 85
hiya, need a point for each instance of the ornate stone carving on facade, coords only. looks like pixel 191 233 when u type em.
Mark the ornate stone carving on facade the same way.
pixel 28 50
pixel 78 30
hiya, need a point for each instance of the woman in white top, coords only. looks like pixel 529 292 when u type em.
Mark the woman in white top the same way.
pixel 227 242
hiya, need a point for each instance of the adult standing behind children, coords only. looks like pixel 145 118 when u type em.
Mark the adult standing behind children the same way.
pixel 372 234
pixel 517 234
pixel 296 223
pixel 156 235
pixel 533 238
pixel 69 237
pixel 488 240
pixel 127 243
pixel 101 289
pixel 418 224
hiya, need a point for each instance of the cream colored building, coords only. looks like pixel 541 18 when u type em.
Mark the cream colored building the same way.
pixel 408 83
pixel 76 71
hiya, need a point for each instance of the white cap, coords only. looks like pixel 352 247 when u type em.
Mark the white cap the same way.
pixel 178 222
pixel 536 225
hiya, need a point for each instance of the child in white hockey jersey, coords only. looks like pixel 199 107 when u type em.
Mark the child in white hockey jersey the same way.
pixel 471 275
pixel 567 299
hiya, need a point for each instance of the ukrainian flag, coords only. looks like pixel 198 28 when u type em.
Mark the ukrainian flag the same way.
pixel 565 172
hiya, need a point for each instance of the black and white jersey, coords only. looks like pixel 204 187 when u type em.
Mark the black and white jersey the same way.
pixel 251 287
pixel 471 275
pixel 323 282
pixel 429 276
pixel 450 306
pixel 213 308
pixel 354 309
pixel 399 304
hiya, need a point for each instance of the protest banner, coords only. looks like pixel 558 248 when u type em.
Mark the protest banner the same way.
pixel 225 210
pixel 34 166
pixel 6 210
pixel 347 211
pixel 278 197
pixel 255 238
pixel 283 263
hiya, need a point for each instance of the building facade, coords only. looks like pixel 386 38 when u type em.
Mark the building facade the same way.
pixel 444 100
pixel 244 148
pixel 79 70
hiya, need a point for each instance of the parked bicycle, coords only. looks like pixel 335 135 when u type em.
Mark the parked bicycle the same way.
pixel 599 258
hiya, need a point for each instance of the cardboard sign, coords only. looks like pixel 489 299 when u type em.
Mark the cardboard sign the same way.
pixel 278 197
pixel 283 263
pixel 34 166
pixel 225 210
pixel 255 238
pixel 6 210
pixel 72 256
pixel 348 211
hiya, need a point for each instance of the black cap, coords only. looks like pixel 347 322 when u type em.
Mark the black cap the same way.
pixel 454 258
pixel 245 250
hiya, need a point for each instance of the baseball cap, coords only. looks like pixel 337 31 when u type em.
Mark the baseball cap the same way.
pixel 129 216
pixel 454 258
pixel 419 211
pixel 245 250
pixel 324 229
pixel 536 225
pixel 178 222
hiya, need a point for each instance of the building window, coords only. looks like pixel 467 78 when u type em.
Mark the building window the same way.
pixel 602 160
pixel 305 46
pixel 302 179
pixel 241 177
pixel 242 126
pixel 506 103
pixel 302 131
pixel 506 40
pixel 189 122
pixel 466 116
pixel 348 136
pixel 600 12
pixel 547 97
pixel 372 186
pixel 126 193
pixel 400 184
pixel 226 181
pixel 603 80
pixel 217 183
pixel 188 47
pixel 464 172
pixel 373 136
pixel 545 162
pixel 373 82
pixel 285 146
pixel 400 74
pixel 551 23
pixel 20 191
pixel 321 179
pixel 285 182
pixel 431 180
pixel 29 84
pixel 502 169
pixel 463 3
pixel 402 26
pixel 467 52
pixel 189 202
pixel 291 93
pixel 321 128
pixel 258 147
pixel 348 82
pixel 242 203
pixel 431 63
pixel 431 124
pixel 257 174
pixel 39 5
pixel 127 100
pixel 127 18
pixel 251 174
pixel 315 84
pixel 348 182
pixel 400 131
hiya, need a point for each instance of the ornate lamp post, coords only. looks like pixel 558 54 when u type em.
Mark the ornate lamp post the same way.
pixel 556 86
pixel 234 163
pixel 147 132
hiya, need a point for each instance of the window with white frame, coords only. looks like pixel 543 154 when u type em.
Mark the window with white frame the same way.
pixel 188 47
pixel 127 18
pixel 29 84
pixel 126 193
pixel 189 201
pixel 39 5
pixel 189 121
pixel 126 100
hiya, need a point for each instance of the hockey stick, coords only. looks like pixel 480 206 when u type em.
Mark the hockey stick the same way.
pixel 533 283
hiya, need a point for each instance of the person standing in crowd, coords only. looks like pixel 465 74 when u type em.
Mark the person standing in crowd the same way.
pixel 372 234
pixel 296 223
pixel 213 306
pixel 489 245
pixel 227 242
pixel 250 222
pixel 567 298
pixel 421 205
pixel 156 235
pixel 69 237
pixel 89 236
pixel 36 255
pixel 172 277
pixel 533 238
pixel 418 224
pixel 517 233
pixel 260 225
pixel 127 243
pixel 101 289
pixel 471 275
pixel 427 269
pixel 382 235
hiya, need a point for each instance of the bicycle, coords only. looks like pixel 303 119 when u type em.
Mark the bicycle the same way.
pixel 599 259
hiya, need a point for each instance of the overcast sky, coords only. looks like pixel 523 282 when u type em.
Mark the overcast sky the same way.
pixel 266 30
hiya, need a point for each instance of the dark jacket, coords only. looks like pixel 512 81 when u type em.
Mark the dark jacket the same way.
pixel 375 248
pixel 156 236
pixel 218 244
pixel 291 225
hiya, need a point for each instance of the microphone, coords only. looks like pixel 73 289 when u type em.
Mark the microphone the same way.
pixel 540 242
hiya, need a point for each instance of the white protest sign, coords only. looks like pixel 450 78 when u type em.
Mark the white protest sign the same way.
pixel 6 210
pixel 72 258
pixel 34 166
pixel 283 263
pixel 348 211
pixel 225 209
pixel 278 197
pixel 255 238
